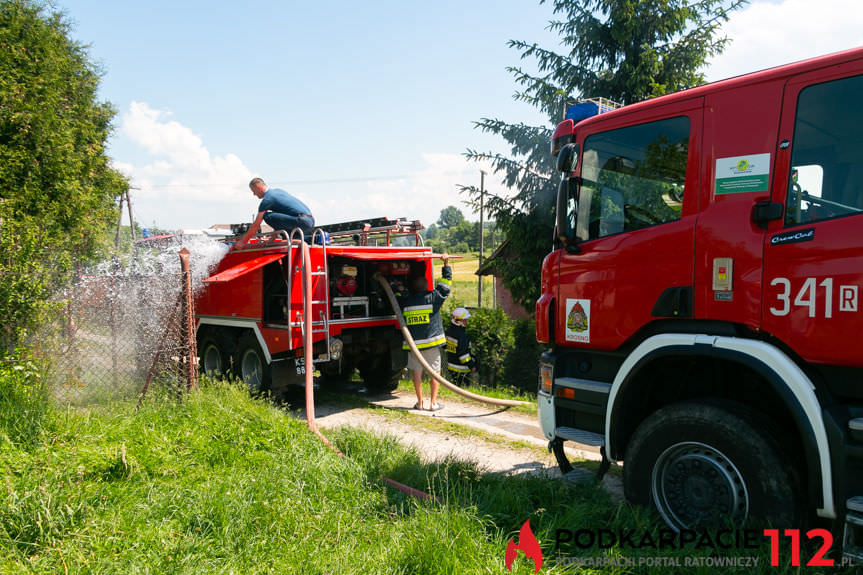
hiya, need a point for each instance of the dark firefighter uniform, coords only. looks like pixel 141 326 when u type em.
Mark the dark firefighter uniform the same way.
pixel 460 362
pixel 422 312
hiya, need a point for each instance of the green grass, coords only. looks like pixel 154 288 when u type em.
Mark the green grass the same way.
pixel 220 483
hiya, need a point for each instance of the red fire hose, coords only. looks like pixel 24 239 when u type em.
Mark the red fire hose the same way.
pixel 310 370
pixel 307 345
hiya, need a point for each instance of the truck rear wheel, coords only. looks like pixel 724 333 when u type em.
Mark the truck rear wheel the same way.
pixel 701 463
pixel 252 366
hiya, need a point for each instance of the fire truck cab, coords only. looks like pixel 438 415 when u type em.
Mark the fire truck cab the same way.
pixel 250 313
pixel 703 306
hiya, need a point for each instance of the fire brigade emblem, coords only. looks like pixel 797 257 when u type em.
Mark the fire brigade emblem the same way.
pixel 578 320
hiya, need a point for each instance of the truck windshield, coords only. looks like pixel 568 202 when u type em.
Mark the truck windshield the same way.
pixel 633 177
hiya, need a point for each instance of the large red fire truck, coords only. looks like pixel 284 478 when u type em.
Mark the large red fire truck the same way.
pixel 703 308
pixel 250 314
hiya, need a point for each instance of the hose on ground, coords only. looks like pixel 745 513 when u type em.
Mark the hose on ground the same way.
pixel 310 370
pixel 413 348
pixel 307 348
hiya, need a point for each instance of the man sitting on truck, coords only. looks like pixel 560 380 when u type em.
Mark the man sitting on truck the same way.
pixel 280 210
pixel 421 308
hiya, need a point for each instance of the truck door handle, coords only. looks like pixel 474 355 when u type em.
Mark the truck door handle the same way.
pixel 766 211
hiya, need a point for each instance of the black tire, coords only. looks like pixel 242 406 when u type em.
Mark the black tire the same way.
pixel 214 354
pixel 378 374
pixel 702 464
pixel 251 365
pixel 337 373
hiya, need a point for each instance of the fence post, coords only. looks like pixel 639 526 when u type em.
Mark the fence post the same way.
pixel 115 264
pixel 188 326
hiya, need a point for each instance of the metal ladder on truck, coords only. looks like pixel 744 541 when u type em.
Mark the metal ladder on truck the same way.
pixel 320 307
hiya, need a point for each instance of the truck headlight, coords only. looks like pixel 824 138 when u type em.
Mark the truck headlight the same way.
pixel 336 347
pixel 546 377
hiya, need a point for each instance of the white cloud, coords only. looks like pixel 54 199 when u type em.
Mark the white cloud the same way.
pixel 183 184
pixel 180 184
pixel 766 34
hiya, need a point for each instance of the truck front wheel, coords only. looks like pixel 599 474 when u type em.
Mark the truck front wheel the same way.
pixel 378 374
pixel 214 353
pixel 701 463
pixel 252 365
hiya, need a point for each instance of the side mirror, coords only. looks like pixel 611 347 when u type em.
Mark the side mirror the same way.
pixel 567 158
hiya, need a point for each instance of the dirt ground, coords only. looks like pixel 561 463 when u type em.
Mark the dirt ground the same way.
pixel 497 439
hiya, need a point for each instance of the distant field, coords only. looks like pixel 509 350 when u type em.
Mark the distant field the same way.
pixel 465 283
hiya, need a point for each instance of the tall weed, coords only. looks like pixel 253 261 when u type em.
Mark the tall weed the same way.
pixel 24 401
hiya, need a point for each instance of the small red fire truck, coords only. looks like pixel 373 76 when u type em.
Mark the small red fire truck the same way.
pixel 250 314
pixel 703 308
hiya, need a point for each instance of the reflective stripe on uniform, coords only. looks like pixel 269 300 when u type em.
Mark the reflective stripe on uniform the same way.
pixel 451 344
pixel 445 282
pixel 429 342
pixel 464 358
pixel 458 368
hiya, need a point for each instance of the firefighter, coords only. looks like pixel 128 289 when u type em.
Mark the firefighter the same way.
pixel 421 309
pixel 460 362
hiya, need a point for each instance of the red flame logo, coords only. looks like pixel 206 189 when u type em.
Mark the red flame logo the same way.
pixel 527 543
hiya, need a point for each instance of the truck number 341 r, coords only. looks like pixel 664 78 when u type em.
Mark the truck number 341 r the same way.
pixel 817 297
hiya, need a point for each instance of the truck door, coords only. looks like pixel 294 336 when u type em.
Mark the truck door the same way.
pixel 636 220
pixel 813 256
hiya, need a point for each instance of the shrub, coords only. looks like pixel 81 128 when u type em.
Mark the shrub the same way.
pixel 521 366
pixel 24 401
pixel 491 335
pixel 506 350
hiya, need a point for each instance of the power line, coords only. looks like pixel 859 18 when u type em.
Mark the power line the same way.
pixel 323 181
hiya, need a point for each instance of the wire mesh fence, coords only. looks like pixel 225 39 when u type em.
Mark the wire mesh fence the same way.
pixel 122 327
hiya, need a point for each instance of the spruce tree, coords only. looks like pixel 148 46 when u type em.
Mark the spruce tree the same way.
pixel 624 50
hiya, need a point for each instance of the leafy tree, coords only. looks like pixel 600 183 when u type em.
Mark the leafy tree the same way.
pixel 57 190
pixel 450 217
pixel 625 50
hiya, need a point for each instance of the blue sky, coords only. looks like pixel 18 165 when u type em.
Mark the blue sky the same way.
pixel 359 109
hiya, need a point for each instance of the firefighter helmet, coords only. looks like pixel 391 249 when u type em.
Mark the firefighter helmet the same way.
pixel 460 313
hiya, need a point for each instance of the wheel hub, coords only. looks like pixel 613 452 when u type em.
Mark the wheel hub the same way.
pixel 693 483
pixel 252 370
pixel 212 360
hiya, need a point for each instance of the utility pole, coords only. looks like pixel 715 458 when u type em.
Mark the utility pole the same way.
pixel 494 280
pixel 481 224
pixel 124 196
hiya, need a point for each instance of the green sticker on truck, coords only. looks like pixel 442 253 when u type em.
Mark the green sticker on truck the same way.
pixel 742 174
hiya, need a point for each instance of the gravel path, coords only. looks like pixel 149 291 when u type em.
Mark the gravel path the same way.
pixel 497 439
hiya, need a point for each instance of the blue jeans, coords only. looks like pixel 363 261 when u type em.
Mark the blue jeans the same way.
pixel 285 222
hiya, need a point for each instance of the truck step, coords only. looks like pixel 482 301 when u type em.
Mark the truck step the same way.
pixel 580 436
pixel 855 427
pixel 852 539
